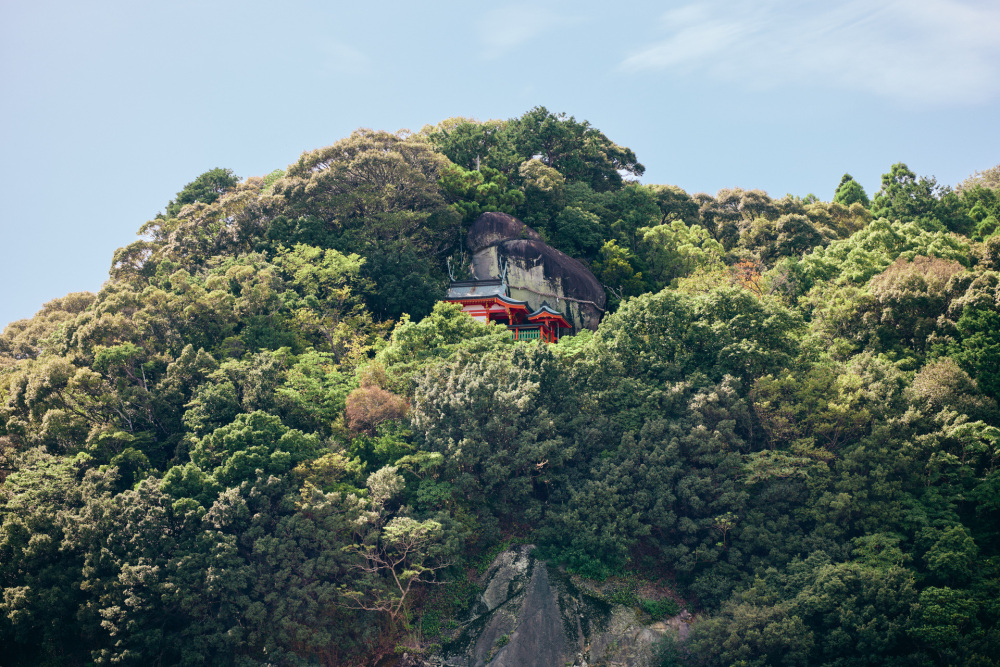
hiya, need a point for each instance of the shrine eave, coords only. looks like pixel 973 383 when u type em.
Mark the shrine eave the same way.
pixel 546 313
pixel 498 299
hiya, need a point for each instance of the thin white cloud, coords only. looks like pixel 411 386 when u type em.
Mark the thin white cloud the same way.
pixel 505 28
pixel 688 45
pixel 342 58
pixel 931 51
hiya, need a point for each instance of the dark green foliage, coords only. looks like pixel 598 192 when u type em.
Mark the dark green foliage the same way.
pixel 980 347
pixel 660 608
pixel 578 231
pixel 446 604
pixel 667 336
pixel 479 190
pixel 494 419
pixel 252 443
pixel 576 149
pixel 668 653
pixel 620 271
pixel 206 189
pixel 471 144
pixel 850 191
pixel 402 283
pixel 905 197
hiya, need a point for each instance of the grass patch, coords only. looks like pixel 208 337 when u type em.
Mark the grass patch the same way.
pixel 660 608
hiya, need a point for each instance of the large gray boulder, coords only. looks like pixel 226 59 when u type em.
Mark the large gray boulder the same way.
pixel 492 228
pixel 536 272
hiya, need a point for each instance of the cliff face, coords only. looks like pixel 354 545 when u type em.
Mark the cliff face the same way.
pixel 530 615
pixel 536 272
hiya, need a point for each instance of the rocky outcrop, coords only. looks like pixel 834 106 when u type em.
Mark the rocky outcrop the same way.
pixel 536 272
pixel 530 615
pixel 493 228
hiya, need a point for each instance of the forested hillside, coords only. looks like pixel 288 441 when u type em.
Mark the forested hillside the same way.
pixel 266 442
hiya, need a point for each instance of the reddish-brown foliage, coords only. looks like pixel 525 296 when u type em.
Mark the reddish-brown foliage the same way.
pixel 367 407
pixel 748 275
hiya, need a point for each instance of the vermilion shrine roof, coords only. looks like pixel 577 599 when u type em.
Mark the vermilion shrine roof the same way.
pixel 544 312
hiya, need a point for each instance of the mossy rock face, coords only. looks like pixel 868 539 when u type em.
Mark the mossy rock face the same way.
pixel 531 615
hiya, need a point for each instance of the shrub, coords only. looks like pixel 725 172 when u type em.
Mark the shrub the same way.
pixel 660 608
pixel 367 407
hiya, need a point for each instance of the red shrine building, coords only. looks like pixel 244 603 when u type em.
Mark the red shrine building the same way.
pixel 489 301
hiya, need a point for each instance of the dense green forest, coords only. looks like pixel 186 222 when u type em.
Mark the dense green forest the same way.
pixel 266 442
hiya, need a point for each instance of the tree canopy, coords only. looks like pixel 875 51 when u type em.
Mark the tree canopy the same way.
pixel 265 440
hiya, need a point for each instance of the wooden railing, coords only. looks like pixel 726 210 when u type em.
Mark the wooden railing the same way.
pixel 520 333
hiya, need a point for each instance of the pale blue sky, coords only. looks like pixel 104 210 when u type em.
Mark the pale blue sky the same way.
pixel 109 108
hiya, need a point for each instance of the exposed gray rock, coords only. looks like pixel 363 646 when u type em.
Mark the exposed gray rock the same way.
pixel 492 228
pixel 532 616
pixel 623 640
pixel 537 636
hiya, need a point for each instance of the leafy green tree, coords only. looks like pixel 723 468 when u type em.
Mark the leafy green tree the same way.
pixel 44 620
pixel 753 635
pixel 944 615
pixel 252 579
pixel 675 204
pixel 494 419
pixel 28 338
pixel 979 351
pixel 904 310
pixel 674 250
pixel 314 392
pixel 817 613
pixel 732 210
pixel 206 189
pixel 544 190
pixel 620 272
pixel 981 204
pixel 835 220
pixel 871 250
pixel 475 191
pixel 951 555
pixel 667 336
pixel 866 622
pixel 575 149
pixel 397 553
pixel 849 191
pixel 256 441
pixel 632 208
pixel 942 385
pixel 827 405
pixel 654 486
pixel 440 336
pixel 232 223
pixel 905 197
pixel 579 232
pixel 327 284
pixel 790 235
pixel 378 195
pixel 472 144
